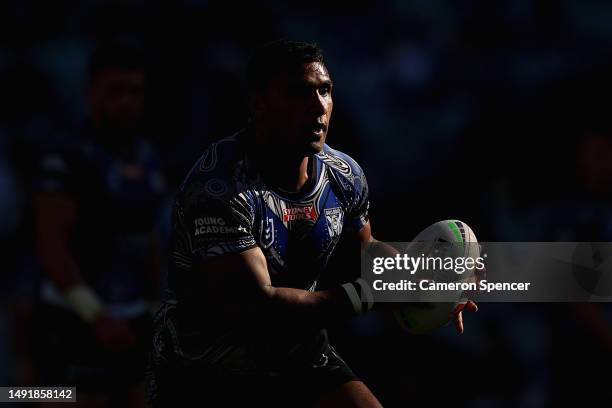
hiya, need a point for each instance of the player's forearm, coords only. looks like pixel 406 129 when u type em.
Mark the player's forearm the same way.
pixel 314 309
pixel 376 248
pixel 62 269
pixel 56 216
pixel 243 280
pixel 59 265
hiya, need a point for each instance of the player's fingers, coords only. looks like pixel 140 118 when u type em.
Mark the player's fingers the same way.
pixel 471 306
pixel 459 322
pixel 459 308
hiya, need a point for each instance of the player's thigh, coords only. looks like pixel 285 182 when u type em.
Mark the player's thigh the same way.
pixel 350 394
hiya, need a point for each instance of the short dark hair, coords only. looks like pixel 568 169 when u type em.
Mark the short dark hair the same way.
pixel 116 55
pixel 276 57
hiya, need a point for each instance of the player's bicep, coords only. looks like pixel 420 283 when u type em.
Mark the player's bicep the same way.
pixel 55 217
pixel 238 277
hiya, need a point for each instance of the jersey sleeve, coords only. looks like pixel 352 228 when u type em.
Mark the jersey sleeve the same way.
pixel 55 173
pixel 358 217
pixel 215 226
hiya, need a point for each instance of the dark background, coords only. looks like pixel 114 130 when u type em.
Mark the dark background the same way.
pixel 492 112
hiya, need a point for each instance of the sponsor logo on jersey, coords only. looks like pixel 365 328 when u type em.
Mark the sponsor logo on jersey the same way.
pixel 334 217
pixel 215 225
pixel 307 212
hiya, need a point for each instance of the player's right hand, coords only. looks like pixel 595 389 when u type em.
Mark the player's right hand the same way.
pixel 113 334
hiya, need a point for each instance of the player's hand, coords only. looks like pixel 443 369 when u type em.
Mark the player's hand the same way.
pixel 458 313
pixel 113 334
pixel 479 274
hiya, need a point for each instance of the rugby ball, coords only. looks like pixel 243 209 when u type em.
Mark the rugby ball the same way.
pixel 446 239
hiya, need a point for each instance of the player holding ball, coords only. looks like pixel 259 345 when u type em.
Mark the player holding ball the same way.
pixel 254 224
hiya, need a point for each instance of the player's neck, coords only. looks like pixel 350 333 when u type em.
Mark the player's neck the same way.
pixel 288 172
pixel 290 175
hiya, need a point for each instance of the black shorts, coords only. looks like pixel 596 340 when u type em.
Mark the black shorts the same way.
pixel 174 381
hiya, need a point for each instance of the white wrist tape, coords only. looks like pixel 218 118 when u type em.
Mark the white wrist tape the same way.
pixel 84 302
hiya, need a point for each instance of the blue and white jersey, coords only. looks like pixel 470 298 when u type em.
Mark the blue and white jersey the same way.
pixel 225 207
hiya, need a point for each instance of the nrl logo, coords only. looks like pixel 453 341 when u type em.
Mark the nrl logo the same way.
pixel 334 221
pixel 267 232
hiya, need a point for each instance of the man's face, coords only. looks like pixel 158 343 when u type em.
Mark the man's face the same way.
pixel 295 109
pixel 116 98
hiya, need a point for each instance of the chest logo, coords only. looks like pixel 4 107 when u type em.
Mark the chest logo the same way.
pixel 334 218
pixel 306 212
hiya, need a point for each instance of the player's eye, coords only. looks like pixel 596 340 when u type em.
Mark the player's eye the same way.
pixel 324 90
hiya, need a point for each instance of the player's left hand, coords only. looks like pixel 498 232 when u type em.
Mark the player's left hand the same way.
pixel 479 274
pixel 458 313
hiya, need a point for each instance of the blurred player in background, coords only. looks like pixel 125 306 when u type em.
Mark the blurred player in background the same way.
pixel 254 225
pixel 96 206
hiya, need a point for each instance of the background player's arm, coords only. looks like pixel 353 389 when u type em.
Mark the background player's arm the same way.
pixel 56 216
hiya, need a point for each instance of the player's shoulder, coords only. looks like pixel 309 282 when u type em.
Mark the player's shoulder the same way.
pixel 214 175
pixel 340 162
pixel 62 157
pixel 221 156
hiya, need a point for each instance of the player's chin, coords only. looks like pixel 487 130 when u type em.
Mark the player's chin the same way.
pixel 316 147
pixel 316 144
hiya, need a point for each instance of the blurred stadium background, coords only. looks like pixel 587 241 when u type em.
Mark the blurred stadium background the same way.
pixel 492 112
